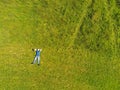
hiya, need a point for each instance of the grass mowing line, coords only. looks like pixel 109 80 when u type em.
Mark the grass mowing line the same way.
pixel 85 7
pixel 111 25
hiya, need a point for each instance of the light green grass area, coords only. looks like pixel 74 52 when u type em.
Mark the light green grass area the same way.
pixel 80 41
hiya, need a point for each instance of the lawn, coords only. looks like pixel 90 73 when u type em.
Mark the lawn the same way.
pixel 80 41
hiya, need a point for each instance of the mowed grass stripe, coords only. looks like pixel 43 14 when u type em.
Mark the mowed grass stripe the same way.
pixel 80 21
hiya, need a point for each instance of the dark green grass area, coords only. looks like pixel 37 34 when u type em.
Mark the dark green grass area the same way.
pixel 80 41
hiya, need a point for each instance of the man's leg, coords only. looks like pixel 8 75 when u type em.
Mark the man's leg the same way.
pixel 38 60
pixel 35 59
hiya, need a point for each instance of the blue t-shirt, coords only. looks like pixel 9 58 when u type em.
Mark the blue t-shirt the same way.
pixel 37 52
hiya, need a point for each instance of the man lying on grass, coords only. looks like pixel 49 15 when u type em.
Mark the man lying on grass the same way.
pixel 37 56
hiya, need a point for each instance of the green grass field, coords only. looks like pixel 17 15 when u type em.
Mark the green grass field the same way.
pixel 80 41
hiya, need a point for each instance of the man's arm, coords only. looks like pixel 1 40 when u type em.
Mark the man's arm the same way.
pixel 40 49
pixel 33 49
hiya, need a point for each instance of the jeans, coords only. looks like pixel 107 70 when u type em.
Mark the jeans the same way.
pixel 36 58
